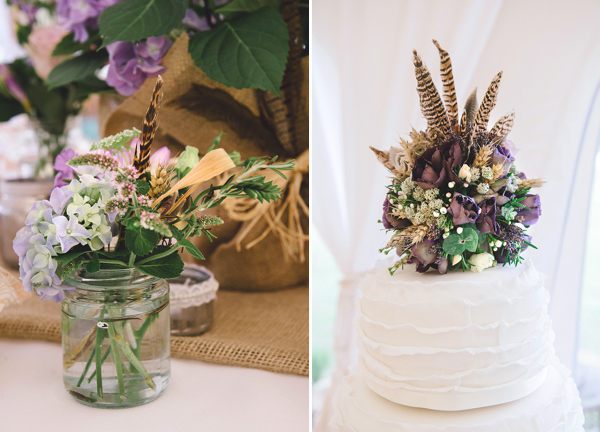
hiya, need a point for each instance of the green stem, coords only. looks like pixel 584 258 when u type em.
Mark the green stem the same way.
pixel 86 368
pixel 130 355
pixel 116 357
pixel 104 357
pixel 131 259
pixel 160 255
pixel 139 334
pixel 99 339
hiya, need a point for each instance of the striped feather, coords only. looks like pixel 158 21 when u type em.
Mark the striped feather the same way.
pixel 487 104
pixel 471 107
pixel 504 125
pixel 449 89
pixel 463 123
pixel 142 153
pixel 431 103
pixel 384 158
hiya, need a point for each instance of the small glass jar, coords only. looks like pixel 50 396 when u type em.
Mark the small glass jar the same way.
pixel 192 297
pixel 115 337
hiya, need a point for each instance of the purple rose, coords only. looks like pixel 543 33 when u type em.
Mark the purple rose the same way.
pixel 486 222
pixel 131 64
pixel 532 211
pixel 463 209
pixel 64 171
pixel 503 158
pixel 437 164
pixel 504 196
pixel 389 220
pixel 426 256
pixel 452 159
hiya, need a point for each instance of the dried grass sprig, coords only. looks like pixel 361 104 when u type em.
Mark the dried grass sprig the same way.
pixel 483 156
pixel 497 171
pixel 531 183
pixel 409 236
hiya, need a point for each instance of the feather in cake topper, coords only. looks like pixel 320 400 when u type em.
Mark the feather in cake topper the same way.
pixel 142 152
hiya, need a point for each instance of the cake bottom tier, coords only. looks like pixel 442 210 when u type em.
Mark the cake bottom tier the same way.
pixel 553 407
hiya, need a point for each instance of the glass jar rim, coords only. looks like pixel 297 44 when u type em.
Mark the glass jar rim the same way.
pixel 120 278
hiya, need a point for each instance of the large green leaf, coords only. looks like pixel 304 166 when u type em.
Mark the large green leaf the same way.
pixel 168 267
pixel 133 20
pixel 9 107
pixel 76 68
pixel 191 248
pixel 250 51
pixel 140 241
pixel 68 45
pixel 237 7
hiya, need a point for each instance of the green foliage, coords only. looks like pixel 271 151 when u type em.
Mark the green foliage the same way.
pixel 9 107
pixel 140 241
pixel 68 45
pixel 259 189
pixel 117 141
pixel 76 68
pixel 250 51
pixel 191 248
pixel 456 244
pixel 216 142
pixel 187 160
pixel 239 7
pixel 481 236
pixel 167 267
pixel 133 20
pixel 94 265
pixel 142 187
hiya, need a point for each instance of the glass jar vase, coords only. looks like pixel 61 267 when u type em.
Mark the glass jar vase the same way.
pixel 115 337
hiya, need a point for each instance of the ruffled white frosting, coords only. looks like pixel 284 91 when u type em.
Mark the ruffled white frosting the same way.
pixel 553 407
pixel 457 341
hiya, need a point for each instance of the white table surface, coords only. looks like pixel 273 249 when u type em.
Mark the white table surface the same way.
pixel 200 397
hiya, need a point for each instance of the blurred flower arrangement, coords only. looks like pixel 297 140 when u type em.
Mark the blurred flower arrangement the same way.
pixel 114 208
pixel 110 210
pixel 457 200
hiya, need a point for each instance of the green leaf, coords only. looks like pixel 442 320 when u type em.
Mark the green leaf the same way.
pixel 94 265
pixel 168 267
pixel 114 254
pixel 187 160
pixel 133 20
pixel 250 51
pixel 177 233
pixel 76 68
pixel 9 107
pixel 23 33
pixel 453 245
pixel 193 250
pixel 70 256
pixel 237 7
pixel 140 241
pixel 216 142
pixel 68 45
pixel 116 141
pixel 142 187
pixel 470 238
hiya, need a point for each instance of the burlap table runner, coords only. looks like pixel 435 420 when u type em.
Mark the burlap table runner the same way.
pixel 262 330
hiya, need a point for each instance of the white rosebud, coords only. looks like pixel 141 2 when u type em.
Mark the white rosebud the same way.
pixel 443 210
pixel 445 235
pixel 495 249
pixel 436 214
pixel 492 243
pixel 481 261
pixel 519 225
pixel 456 259
pixel 399 206
pixel 459 230
pixel 412 205
pixel 464 173
pixel 503 243
pixel 451 185
pixel 498 243
pixel 448 195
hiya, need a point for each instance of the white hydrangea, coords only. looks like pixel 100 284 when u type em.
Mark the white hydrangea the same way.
pixel 436 204
pixel 418 193
pixel 483 188
pixel 431 194
pixel 407 185
pixel 475 174
pixel 487 173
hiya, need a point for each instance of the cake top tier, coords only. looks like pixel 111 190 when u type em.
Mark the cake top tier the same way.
pixel 457 199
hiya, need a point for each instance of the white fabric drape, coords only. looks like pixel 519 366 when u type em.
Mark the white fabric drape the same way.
pixel 364 93
pixel 9 48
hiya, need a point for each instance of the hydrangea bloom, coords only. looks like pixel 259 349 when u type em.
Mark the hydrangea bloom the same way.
pixel 132 63
pixel 74 215
pixel 80 15
pixel 64 171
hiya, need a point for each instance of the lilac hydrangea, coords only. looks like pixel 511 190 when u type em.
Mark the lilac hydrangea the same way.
pixel 132 63
pixel 74 215
pixel 79 16
pixel 64 172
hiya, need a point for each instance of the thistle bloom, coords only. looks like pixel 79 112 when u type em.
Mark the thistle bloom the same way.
pixel 131 64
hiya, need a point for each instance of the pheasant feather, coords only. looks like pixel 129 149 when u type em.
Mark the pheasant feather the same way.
pixel 503 126
pixel 431 103
pixel 142 153
pixel 449 89
pixel 471 108
pixel 487 104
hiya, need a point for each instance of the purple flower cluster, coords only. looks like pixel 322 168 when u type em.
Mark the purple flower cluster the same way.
pixel 79 16
pixel 132 63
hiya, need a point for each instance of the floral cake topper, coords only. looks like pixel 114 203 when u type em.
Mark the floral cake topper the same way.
pixel 457 199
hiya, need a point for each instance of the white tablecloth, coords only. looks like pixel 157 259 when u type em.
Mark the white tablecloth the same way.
pixel 201 397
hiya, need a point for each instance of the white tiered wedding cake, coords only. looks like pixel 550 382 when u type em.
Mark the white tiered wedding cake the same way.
pixel 465 343
pixel 456 352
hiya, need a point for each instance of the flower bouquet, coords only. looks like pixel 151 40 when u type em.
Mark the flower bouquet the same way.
pixel 106 241
pixel 457 199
